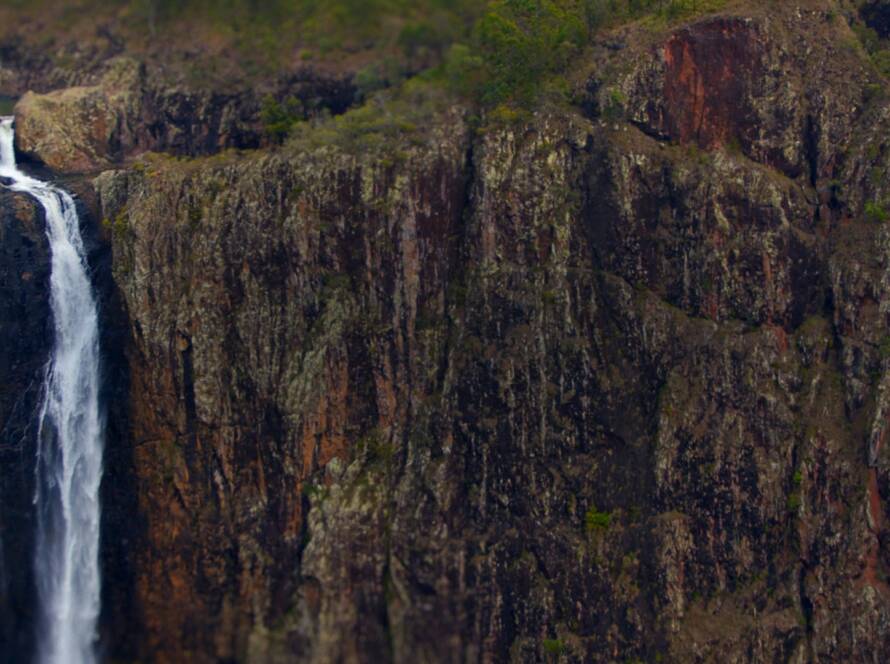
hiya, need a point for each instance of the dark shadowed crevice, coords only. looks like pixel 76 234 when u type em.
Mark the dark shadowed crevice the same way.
pixel 876 14
pixel 25 342
pixel 811 146
pixel 651 132
pixel 122 528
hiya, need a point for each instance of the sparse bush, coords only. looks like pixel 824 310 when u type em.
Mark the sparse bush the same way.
pixel 881 60
pixel 878 49
pixel 867 37
pixel 884 347
pixel 374 448
pixel 553 647
pixel 280 117
pixel 389 122
pixel 377 76
pixel 614 110
pixel 596 520
pixel 463 71
pixel 426 41
pixel 876 212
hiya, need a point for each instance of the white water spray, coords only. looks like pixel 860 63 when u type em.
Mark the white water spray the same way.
pixel 69 455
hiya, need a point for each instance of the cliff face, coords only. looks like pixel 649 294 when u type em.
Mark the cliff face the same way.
pixel 597 387
pixel 609 384
pixel 25 337
pixel 130 110
pixel 268 374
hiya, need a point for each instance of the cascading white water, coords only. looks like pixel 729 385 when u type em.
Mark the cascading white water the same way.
pixel 69 455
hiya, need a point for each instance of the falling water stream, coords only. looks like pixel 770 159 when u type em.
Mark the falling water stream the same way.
pixel 69 454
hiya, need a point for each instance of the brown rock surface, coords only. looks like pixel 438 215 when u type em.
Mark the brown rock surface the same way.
pixel 601 386
pixel 25 337
pixel 131 110
pixel 563 388
pixel 80 129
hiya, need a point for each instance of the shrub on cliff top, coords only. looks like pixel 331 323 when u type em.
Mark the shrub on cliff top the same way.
pixel 875 46
pixel 390 122
pixel 279 117
pixel 518 48
pixel 522 41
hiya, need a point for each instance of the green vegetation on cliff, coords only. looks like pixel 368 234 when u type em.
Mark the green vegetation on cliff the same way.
pixel 491 51
pixel 596 520
pixel 413 25
pixel 504 55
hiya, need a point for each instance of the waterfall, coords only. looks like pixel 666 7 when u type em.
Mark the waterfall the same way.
pixel 69 450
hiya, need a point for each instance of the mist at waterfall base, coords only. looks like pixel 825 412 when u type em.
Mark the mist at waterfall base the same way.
pixel 69 450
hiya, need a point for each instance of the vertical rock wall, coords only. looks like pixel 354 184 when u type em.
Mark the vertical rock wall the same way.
pixel 25 340
pixel 606 384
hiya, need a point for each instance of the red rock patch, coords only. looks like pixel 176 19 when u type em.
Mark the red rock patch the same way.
pixel 711 69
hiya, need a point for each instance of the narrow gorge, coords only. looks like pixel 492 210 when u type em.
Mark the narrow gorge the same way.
pixel 406 332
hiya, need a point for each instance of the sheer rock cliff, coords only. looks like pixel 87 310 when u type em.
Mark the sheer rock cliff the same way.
pixel 25 338
pixel 607 383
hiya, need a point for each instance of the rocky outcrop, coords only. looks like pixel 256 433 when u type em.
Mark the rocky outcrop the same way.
pixel 743 82
pixel 79 129
pixel 25 339
pixel 132 110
